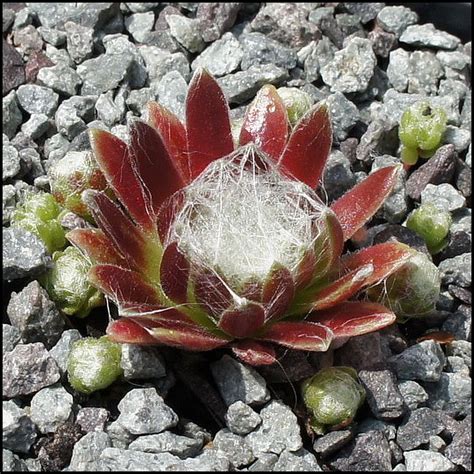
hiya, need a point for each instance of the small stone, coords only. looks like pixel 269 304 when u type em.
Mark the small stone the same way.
pixel 459 323
pixel 382 42
pixel 50 408
pixel 438 169
pixel 120 436
pixel 11 462
pixel 242 419
pixel 12 117
pixel 414 395
pixel 243 85
pixel 286 23
pixel 92 419
pixel 423 361
pixel 209 460
pixel 24 254
pixel 19 432
pixel 331 442
pixel 424 72
pixel 319 54
pixel 264 463
pixel 11 162
pixel 221 57
pixel 159 63
pixel 137 99
pixel 11 336
pixel 141 362
pixel 383 396
pixel 428 36
pixel 338 177
pixel 459 450
pixel 417 427
pixel 107 109
pixel 453 59
pixel 171 92
pixel 459 137
pixel 60 351
pixel 368 452
pixel 444 196
pixel 13 68
pixel 27 369
pixel 72 115
pixel 59 57
pixel 362 353
pixel 27 40
pixel 352 67
pixel 35 315
pixel 278 431
pixel 167 442
pixel 463 178
pixel 237 381
pixel 258 49
pixel 141 7
pixel 396 19
pixel 420 460
pixel 36 126
pixel 452 394
pixel 233 447
pixel 52 36
pixel 61 78
pixel 80 41
pixel 453 87
pixel 186 31
pixel 344 115
pixel 8 201
pixel 365 12
pixel 457 270
pixel 143 411
pixel 139 25
pixel 215 18
pixel 37 99
pixel 87 451
pixel 466 112
pixel 301 460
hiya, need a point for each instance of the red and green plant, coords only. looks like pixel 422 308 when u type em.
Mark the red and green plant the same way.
pixel 214 244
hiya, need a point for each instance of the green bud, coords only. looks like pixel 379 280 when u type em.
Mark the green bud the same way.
pixel 296 101
pixel 93 364
pixel 421 128
pixel 412 290
pixel 432 224
pixel 332 397
pixel 39 214
pixel 68 285
pixel 72 175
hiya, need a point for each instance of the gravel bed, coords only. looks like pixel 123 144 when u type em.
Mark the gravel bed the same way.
pixel 68 67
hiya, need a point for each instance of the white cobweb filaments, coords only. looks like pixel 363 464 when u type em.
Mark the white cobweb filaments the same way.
pixel 241 215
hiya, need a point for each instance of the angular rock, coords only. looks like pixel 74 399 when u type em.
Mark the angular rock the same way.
pixel 19 432
pixel 301 460
pixel 24 254
pixel 139 25
pixel 80 41
pixel 143 411
pixel 352 67
pixel 187 32
pixel 37 99
pixel 459 450
pixel 60 57
pixel 11 462
pixel 88 450
pixel 423 361
pixel 238 382
pixel 463 178
pixel 11 118
pixel 331 442
pixel 141 362
pixel 27 369
pixel 60 351
pixel 382 42
pixel 61 78
pixel 72 115
pixel 51 407
pixel 414 395
pixel 383 396
pixel 52 35
pixel 428 36
pixel 242 419
pixel 107 110
pixel 419 460
pixel 11 162
pixel 171 92
pixel 264 463
pixel 233 447
pixel 13 68
pixel 457 270
pixel 396 19
pixel 92 419
pixel 365 12
pixel 338 177
pixel 10 337
pixel 278 431
pixel 444 196
pixel 215 18
pixel 362 353
pixel 36 126
pixel 319 54
pixel 243 85
pixel 160 62
pixel 344 115
pixel 424 72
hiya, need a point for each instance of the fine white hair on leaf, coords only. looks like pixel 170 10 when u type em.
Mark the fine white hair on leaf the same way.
pixel 241 216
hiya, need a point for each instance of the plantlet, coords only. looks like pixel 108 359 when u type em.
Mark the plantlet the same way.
pixel 296 101
pixel 68 285
pixel 332 397
pixel 215 246
pixel 432 224
pixel 421 130
pixel 40 215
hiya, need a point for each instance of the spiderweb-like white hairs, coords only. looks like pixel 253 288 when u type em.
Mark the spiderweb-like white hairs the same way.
pixel 241 215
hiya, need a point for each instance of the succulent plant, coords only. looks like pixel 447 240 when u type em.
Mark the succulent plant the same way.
pixel 68 285
pixel 332 397
pixel 296 101
pixel 432 224
pixel 93 364
pixel 421 130
pixel 40 214
pixel 214 245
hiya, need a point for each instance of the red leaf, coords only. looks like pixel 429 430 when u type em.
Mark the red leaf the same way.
pixel 123 285
pixel 278 292
pixel 266 123
pixel 167 214
pixel 299 335
pixel 386 258
pixel 359 204
pixel 208 130
pixel 211 292
pixel 117 227
pixel 173 134
pixel 97 246
pixel 354 318
pixel 242 321
pixel 343 288
pixel 174 273
pixel 253 352
pixel 126 331
pixel 308 147
pixel 114 160
pixel 305 270
pixel 155 168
